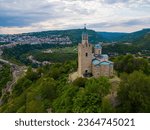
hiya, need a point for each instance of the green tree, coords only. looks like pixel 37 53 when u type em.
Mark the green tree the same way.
pixel 64 103
pixel 100 86
pixel 47 88
pixel 87 102
pixel 31 75
pixel 35 106
pixel 129 64
pixel 89 99
pixel 107 106
pixel 134 93
pixel 80 82
pixel 5 76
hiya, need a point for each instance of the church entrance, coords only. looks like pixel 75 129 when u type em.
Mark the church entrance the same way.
pixel 87 74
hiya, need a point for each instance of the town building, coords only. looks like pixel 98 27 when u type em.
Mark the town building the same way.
pixel 91 61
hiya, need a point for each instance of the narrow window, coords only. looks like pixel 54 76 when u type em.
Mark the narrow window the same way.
pixel 86 54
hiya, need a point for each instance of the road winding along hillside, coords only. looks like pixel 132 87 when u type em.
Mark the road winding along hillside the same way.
pixel 17 72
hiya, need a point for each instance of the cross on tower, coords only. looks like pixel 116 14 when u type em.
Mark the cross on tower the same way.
pixel 84 35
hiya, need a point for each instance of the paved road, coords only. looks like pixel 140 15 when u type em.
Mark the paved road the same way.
pixel 6 62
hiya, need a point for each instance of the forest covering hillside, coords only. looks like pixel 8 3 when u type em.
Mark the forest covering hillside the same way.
pixel 135 36
pixel 139 37
pixel 111 36
pixel 5 76
pixel 144 40
pixel 94 37
pixel 74 35
pixel 48 89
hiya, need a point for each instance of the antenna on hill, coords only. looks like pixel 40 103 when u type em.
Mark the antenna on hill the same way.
pixel 84 26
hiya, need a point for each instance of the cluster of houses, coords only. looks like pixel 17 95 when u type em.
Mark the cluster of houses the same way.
pixel 27 39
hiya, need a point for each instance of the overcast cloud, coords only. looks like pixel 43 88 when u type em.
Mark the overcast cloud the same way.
pixel 17 16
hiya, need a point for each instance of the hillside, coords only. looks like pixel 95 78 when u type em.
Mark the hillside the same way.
pixel 111 36
pixel 73 34
pixel 125 37
pixel 48 90
pixel 139 37
pixel 144 40
pixel 51 37
pixel 135 36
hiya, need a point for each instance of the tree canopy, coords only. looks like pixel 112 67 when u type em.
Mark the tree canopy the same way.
pixel 129 64
pixel 134 93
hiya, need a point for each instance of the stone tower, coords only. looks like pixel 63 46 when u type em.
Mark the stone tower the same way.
pixel 84 56
pixel 97 49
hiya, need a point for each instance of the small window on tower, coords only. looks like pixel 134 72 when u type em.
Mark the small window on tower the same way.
pixel 86 54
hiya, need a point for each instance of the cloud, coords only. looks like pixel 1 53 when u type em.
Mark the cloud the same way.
pixel 123 23
pixel 25 13
pixel 21 13
pixel 36 15
pixel 135 22
pixel 127 2
pixel 115 1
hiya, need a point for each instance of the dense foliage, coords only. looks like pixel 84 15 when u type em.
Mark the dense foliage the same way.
pixel 36 91
pixel 136 42
pixel 83 96
pixel 5 76
pixel 134 37
pixel 48 89
pixel 129 64
pixel 111 36
pixel 144 40
pixel 19 54
pixel 134 93
pixel 54 57
pixel 121 49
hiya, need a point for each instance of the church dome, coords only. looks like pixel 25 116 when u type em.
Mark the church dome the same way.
pixel 96 62
pixel 98 46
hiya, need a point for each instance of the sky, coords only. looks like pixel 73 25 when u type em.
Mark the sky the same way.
pixel 19 16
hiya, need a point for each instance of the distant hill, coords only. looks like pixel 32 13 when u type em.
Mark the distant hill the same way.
pixel 73 34
pixel 139 37
pixel 111 36
pixel 135 36
pixel 143 40
pixel 124 37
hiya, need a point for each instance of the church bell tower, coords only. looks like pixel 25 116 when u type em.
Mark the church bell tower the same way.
pixel 84 36
pixel 84 55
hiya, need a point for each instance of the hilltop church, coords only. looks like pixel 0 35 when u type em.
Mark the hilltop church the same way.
pixel 92 63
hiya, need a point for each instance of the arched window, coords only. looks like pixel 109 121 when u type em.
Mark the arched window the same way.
pixel 86 54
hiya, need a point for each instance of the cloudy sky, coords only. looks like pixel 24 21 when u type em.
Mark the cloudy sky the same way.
pixel 18 16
